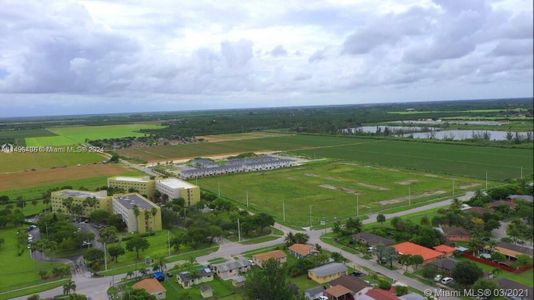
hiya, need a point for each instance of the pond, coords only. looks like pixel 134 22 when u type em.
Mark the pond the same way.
pixel 458 135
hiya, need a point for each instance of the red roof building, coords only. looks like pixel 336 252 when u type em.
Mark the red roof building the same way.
pixel 414 249
pixel 446 250
pixel 379 294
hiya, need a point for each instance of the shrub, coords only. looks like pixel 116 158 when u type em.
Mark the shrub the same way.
pixel 401 290
pixel 384 284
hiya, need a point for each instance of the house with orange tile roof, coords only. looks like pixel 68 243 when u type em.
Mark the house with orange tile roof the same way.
pixel 302 250
pixel 262 258
pixel 338 292
pixel 446 250
pixel 410 248
pixel 379 294
pixel 153 287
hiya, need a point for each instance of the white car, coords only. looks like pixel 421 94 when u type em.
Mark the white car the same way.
pixel 438 278
pixel 446 280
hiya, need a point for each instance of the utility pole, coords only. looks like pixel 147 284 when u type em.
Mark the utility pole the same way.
pixel 284 210
pixel 453 188
pixel 357 205
pixel 409 195
pixel 169 242
pixel 247 198
pixel 521 172
pixel 310 216
pixel 486 180
pixel 238 231
pixel 219 189
pixel 105 257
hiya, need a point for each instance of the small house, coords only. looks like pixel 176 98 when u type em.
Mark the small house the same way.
pixel 228 270
pixel 455 234
pixel 302 250
pixel 371 240
pixel 410 248
pixel 189 279
pixel 446 250
pixel 356 285
pixel 277 255
pixel 153 287
pixel 327 273
pixel 314 293
pixel 338 292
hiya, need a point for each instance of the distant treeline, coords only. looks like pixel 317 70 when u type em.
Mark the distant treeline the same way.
pixel 323 119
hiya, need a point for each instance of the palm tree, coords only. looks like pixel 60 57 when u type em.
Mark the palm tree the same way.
pixel 290 239
pixel 136 213
pixel 68 287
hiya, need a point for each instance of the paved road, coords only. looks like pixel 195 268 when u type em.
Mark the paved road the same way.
pixel 96 287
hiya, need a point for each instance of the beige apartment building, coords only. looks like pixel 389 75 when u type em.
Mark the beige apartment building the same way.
pixel 139 214
pixel 176 188
pixel 79 203
pixel 142 185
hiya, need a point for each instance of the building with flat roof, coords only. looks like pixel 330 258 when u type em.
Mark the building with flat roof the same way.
pixel 139 213
pixel 142 185
pixel 79 203
pixel 175 188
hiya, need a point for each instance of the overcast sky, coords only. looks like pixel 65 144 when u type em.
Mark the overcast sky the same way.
pixel 78 57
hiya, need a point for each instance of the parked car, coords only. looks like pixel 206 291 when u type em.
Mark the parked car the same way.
pixel 446 280
pixel 438 278
pixel 357 274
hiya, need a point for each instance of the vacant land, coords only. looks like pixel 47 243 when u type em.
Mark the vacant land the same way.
pixel 80 134
pixel 442 158
pixel 91 183
pixel 22 180
pixel 17 271
pixel 16 162
pixel 331 188
pixel 241 136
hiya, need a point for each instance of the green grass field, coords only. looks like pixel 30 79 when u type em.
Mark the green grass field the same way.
pixel 15 162
pixel 439 158
pixel 17 271
pixel 79 134
pixel 330 188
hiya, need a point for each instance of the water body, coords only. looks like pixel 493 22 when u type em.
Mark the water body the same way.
pixel 381 128
pixel 455 122
pixel 458 135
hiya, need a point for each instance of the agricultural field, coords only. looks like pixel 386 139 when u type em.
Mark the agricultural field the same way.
pixel 441 158
pixel 22 180
pixel 17 162
pixel 22 270
pixel 331 188
pixel 73 135
pixel 18 136
pixel 241 136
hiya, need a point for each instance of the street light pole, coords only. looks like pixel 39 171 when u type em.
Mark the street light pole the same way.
pixel 310 216
pixel 169 242
pixel 105 257
pixel 238 231
pixel 247 199
pixel 284 210
pixel 357 205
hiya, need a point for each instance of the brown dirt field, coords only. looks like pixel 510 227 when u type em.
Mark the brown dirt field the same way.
pixel 240 136
pixel 39 177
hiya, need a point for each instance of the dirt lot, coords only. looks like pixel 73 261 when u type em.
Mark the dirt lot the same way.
pixel 32 178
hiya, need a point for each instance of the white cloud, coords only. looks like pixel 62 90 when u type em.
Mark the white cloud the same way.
pixel 235 53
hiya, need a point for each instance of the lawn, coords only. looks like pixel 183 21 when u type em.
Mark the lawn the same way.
pixel 158 249
pixel 331 187
pixel 526 278
pixel 431 157
pixel 221 290
pixel 16 162
pixel 18 271
pixel 33 290
pixel 80 134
